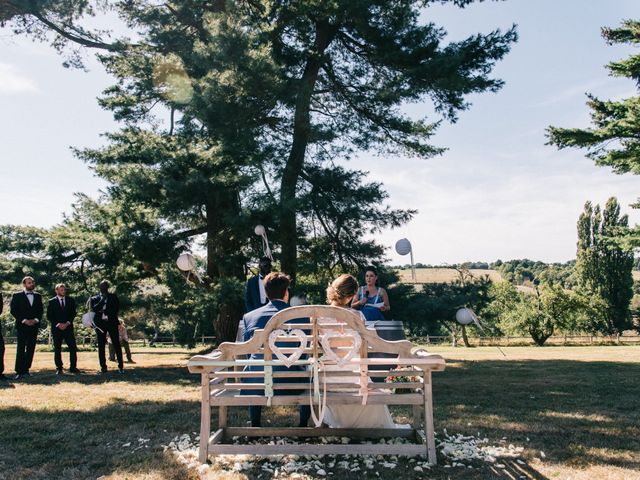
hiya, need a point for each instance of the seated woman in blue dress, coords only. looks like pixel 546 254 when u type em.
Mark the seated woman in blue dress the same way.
pixel 371 299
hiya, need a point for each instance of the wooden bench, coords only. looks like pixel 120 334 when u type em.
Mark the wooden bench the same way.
pixel 330 338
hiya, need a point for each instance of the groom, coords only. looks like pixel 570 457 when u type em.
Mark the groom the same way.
pixel 276 286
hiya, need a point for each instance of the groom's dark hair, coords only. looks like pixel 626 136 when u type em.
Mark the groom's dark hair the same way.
pixel 276 285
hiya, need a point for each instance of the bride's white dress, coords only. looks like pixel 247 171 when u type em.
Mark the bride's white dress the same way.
pixel 354 416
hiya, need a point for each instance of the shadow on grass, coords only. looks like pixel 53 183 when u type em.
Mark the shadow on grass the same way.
pixel 133 374
pixel 78 444
pixel 577 413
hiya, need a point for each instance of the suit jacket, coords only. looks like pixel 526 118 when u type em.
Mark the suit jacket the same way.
pixel 109 305
pixel 252 294
pixel 256 320
pixel 56 314
pixel 21 309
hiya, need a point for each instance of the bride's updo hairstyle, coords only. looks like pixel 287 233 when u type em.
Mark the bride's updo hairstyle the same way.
pixel 342 289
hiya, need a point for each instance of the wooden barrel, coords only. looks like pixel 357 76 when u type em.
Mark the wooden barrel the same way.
pixel 387 330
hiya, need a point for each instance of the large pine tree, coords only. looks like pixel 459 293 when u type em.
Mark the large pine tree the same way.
pixel 614 137
pixel 262 98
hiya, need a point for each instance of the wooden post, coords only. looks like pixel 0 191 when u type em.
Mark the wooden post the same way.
pixel 222 416
pixel 415 423
pixel 205 419
pixel 428 419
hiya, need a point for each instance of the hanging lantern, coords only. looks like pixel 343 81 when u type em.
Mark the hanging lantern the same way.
pixel 465 316
pixel 186 262
pixel 403 246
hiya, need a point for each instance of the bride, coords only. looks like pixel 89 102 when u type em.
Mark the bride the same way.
pixel 339 294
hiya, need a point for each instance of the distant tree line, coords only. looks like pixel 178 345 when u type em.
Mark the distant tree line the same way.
pixel 591 294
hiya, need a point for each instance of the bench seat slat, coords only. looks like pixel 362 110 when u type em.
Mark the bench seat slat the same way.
pixel 234 398
pixel 371 373
pixel 303 432
pixel 319 449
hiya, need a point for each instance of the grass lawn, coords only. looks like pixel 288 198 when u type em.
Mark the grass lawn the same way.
pixel 578 405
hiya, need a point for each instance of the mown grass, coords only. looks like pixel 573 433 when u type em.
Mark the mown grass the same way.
pixel 578 405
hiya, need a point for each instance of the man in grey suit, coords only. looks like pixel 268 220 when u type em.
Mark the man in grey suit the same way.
pixel 276 286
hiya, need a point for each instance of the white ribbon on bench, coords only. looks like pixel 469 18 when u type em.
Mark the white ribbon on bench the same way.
pixel 298 335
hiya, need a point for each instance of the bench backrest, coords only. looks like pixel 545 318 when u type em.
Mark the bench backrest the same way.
pixel 320 337
pixel 321 320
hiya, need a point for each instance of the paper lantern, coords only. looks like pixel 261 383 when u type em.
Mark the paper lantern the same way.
pixel 186 262
pixel 465 316
pixel 403 246
pixel 259 230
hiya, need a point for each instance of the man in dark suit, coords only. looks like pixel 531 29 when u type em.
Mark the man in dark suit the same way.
pixel 106 307
pixel 61 311
pixel 255 295
pixel 277 289
pixel 26 307
pixel 2 375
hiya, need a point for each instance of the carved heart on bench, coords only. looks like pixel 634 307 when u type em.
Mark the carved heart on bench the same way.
pixel 296 335
pixel 325 341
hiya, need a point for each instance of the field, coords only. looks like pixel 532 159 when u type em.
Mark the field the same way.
pixel 443 275
pixel 574 410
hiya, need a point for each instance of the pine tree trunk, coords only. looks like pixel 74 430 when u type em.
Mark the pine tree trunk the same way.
pixel 465 339
pixel 221 208
pixel 295 162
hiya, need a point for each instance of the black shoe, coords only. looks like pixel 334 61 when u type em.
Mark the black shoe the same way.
pixel 121 370
pixel 103 370
pixel 74 370
pixel 3 377
pixel 27 374
pixel 58 371
pixel 19 376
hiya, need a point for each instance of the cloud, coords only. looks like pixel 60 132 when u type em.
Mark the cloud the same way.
pixel 13 81
pixel 516 202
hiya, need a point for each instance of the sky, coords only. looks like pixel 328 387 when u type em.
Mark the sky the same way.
pixel 498 192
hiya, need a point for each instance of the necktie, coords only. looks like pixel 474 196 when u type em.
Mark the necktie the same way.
pixel 62 303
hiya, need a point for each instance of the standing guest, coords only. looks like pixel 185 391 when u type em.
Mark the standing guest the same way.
pixel 61 311
pixel 26 307
pixel 255 295
pixel 106 306
pixel 124 342
pixel 372 300
pixel 2 375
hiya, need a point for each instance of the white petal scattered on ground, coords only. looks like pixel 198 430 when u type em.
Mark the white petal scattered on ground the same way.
pixel 458 450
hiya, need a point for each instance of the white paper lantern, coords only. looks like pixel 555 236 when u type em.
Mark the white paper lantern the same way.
pixel 403 246
pixel 465 316
pixel 186 262
pixel 259 230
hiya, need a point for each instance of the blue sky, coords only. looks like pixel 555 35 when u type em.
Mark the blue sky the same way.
pixel 498 191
